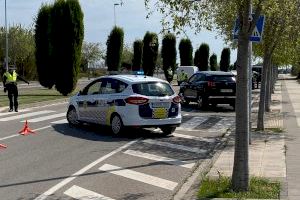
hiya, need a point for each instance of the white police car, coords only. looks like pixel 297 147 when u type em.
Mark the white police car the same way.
pixel 121 101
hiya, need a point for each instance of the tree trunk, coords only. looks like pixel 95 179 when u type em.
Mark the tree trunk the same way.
pixel 261 108
pixel 240 174
pixel 268 89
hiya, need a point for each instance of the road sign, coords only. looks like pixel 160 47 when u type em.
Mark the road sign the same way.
pixel 256 35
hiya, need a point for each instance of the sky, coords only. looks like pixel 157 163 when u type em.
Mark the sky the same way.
pixel 99 20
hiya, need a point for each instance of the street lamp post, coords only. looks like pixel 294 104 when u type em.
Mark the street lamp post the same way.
pixel 116 4
pixel 6 41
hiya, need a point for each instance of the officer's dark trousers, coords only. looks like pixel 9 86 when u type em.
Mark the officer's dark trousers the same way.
pixel 12 93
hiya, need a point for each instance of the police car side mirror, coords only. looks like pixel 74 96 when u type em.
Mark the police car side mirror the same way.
pixel 79 93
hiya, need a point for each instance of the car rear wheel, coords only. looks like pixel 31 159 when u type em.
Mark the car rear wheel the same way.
pixel 116 124
pixel 201 102
pixel 167 130
pixel 72 117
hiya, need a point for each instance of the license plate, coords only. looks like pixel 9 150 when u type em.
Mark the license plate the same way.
pixel 160 105
pixel 226 90
pixel 159 113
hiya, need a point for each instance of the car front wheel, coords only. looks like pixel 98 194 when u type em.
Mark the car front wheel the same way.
pixel 116 124
pixel 72 117
pixel 167 130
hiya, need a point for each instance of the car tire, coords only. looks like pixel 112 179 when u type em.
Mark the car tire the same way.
pixel 72 117
pixel 201 102
pixel 167 130
pixel 116 125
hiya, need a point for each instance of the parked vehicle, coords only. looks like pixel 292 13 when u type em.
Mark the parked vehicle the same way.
pixel 209 87
pixel 120 101
pixel 189 70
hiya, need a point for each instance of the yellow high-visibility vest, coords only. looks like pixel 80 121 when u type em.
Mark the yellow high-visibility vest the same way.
pixel 182 76
pixel 10 78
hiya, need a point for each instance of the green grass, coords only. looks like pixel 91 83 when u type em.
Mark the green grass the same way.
pixel 276 130
pixel 34 95
pixel 259 188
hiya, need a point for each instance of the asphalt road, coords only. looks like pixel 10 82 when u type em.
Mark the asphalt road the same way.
pixel 60 162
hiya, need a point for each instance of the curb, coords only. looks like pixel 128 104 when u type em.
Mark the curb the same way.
pixel 188 187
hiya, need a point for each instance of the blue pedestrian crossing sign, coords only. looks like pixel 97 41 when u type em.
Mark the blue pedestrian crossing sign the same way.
pixel 256 35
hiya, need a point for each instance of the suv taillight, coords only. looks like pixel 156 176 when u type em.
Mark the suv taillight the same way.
pixel 211 84
pixel 136 100
pixel 177 99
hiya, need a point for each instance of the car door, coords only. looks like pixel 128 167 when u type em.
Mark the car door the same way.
pixel 194 85
pixel 87 101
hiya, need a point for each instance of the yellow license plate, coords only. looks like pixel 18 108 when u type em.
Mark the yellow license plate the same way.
pixel 159 113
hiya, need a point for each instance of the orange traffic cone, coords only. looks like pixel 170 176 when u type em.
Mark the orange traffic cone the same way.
pixel 26 130
pixel 2 146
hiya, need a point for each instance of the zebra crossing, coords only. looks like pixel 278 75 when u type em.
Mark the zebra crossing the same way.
pixel 208 124
pixel 132 173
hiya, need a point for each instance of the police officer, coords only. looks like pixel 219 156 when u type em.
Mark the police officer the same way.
pixel 182 77
pixel 10 85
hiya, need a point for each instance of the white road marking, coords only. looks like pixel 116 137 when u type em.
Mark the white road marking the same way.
pixel 194 137
pixel 11 113
pixel 16 135
pixel 222 125
pixel 175 146
pixel 80 193
pixel 192 123
pixel 81 171
pixel 44 118
pixel 160 158
pixel 138 176
pixel 26 115
pixel 63 121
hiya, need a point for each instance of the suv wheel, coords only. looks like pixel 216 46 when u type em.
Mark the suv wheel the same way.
pixel 201 102
pixel 167 130
pixel 72 117
pixel 116 124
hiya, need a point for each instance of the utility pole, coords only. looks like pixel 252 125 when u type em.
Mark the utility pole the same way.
pixel 250 77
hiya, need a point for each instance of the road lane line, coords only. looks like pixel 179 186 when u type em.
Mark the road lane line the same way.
pixel 80 193
pixel 138 176
pixel 81 171
pixel 175 146
pixel 11 113
pixel 192 123
pixel 160 158
pixel 5 119
pixel 44 118
pixel 63 121
pixel 194 137
pixel 16 135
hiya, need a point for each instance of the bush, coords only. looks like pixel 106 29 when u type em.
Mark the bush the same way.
pixel 150 53
pixel 137 55
pixel 225 60
pixel 186 52
pixel 114 49
pixel 213 62
pixel 168 53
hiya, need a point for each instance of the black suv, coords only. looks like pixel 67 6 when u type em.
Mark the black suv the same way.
pixel 209 87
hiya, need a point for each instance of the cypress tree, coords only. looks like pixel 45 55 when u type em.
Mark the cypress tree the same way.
pixel 114 51
pixel 197 58
pixel 46 73
pixel 213 62
pixel 168 53
pixel 137 55
pixel 150 53
pixel 225 60
pixel 67 32
pixel 204 56
pixel 186 52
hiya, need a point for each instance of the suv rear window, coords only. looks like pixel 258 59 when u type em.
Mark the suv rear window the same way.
pixel 222 78
pixel 153 89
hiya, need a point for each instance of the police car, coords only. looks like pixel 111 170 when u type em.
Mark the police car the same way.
pixel 121 101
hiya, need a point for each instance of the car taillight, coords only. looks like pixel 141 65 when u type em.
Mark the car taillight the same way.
pixel 136 100
pixel 177 99
pixel 211 84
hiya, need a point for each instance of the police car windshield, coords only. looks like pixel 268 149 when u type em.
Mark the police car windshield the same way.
pixel 153 89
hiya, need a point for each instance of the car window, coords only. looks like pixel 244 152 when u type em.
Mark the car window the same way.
pixel 111 86
pixel 153 89
pixel 94 88
pixel 223 78
pixel 196 78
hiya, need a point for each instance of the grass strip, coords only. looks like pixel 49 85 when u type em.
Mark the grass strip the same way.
pixel 259 188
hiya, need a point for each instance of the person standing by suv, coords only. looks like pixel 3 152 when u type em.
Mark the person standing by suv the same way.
pixel 10 85
pixel 182 77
